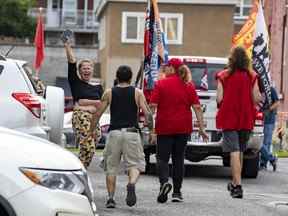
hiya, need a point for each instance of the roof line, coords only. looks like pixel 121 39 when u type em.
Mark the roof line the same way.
pixel 103 3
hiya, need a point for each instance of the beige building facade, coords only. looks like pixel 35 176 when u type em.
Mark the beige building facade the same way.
pixel 193 27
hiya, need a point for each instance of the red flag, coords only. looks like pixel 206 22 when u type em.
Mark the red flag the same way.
pixel 39 44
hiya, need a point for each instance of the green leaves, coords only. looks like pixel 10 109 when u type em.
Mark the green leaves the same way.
pixel 14 19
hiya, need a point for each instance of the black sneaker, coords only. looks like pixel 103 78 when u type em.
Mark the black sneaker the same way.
pixel 274 164
pixel 110 203
pixel 131 195
pixel 230 186
pixel 236 192
pixel 177 197
pixel 163 194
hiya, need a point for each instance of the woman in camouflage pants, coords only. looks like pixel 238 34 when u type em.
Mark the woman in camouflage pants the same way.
pixel 82 123
pixel 86 97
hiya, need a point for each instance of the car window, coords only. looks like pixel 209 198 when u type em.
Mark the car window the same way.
pixel 199 69
pixel 29 73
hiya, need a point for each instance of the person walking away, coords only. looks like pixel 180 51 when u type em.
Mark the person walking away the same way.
pixel 237 94
pixel 269 125
pixel 124 138
pixel 173 128
pixel 86 98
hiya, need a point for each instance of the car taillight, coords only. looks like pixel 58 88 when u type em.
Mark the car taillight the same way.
pixel 259 119
pixel 30 102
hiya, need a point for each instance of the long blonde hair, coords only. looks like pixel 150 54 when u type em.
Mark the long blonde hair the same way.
pixel 185 73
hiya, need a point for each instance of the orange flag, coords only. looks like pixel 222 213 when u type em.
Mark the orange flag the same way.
pixel 245 37
pixel 39 44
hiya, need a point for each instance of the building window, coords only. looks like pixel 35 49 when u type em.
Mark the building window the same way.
pixel 133 24
pixel 243 8
pixel 55 4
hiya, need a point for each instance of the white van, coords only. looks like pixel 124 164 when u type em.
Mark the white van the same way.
pixel 198 150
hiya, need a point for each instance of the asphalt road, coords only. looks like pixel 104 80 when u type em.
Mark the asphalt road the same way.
pixel 204 192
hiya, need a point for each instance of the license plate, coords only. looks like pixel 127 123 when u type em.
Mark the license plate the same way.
pixel 195 137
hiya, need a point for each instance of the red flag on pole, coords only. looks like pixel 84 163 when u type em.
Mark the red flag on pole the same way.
pixel 39 44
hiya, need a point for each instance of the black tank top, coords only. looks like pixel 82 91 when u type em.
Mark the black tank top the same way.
pixel 123 108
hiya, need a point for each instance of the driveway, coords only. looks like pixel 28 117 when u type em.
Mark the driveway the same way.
pixel 204 191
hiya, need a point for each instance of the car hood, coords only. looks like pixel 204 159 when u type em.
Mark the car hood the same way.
pixel 29 151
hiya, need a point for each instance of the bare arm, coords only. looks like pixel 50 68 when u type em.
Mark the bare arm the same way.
pixel 69 53
pixel 105 101
pixel 199 115
pixel 256 95
pixel 219 95
pixel 274 105
pixel 144 106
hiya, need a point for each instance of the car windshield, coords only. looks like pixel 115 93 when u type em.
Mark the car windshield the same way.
pixel 29 73
pixel 199 69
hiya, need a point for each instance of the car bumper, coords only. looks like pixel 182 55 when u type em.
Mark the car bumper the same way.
pixel 42 201
pixel 254 143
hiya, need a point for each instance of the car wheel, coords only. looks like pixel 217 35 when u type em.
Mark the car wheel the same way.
pixel 251 167
pixel 55 112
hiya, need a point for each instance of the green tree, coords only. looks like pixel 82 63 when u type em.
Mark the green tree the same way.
pixel 14 19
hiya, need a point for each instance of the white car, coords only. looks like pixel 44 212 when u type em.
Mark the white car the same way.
pixel 38 177
pixel 22 109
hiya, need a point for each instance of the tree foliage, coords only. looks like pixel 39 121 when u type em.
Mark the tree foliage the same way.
pixel 14 19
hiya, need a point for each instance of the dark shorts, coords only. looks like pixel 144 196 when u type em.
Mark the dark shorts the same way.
pixel 234 141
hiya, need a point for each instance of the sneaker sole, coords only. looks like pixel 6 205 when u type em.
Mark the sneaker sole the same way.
pixel 162 198
pixel 176 200
pixel 237 196
pixel 110 206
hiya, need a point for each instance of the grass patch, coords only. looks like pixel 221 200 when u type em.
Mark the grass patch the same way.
pixel 282 154
pixel 76 150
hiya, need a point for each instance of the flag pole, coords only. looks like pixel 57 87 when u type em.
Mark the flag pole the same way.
pixel 37 70
pixel 39 44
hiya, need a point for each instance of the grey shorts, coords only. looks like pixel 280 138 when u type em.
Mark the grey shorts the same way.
pixel 234 141
pixel 125 145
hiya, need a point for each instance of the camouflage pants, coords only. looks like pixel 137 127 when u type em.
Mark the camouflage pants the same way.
pixel 81 121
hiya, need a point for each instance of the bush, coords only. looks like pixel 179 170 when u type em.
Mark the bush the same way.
pixel 14 19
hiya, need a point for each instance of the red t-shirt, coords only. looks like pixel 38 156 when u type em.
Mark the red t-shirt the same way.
pixel 237 110
pixel 174 99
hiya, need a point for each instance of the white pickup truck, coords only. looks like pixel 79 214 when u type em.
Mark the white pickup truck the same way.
pixel 198 150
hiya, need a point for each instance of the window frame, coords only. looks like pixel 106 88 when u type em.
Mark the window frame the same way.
pixel 241 6
pixel 139 15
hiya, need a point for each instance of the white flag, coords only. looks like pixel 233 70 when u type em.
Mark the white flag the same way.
pixel 260 53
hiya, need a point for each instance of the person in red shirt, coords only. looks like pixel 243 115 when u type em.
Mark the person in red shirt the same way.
pixel 173 98
pixel 237 95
